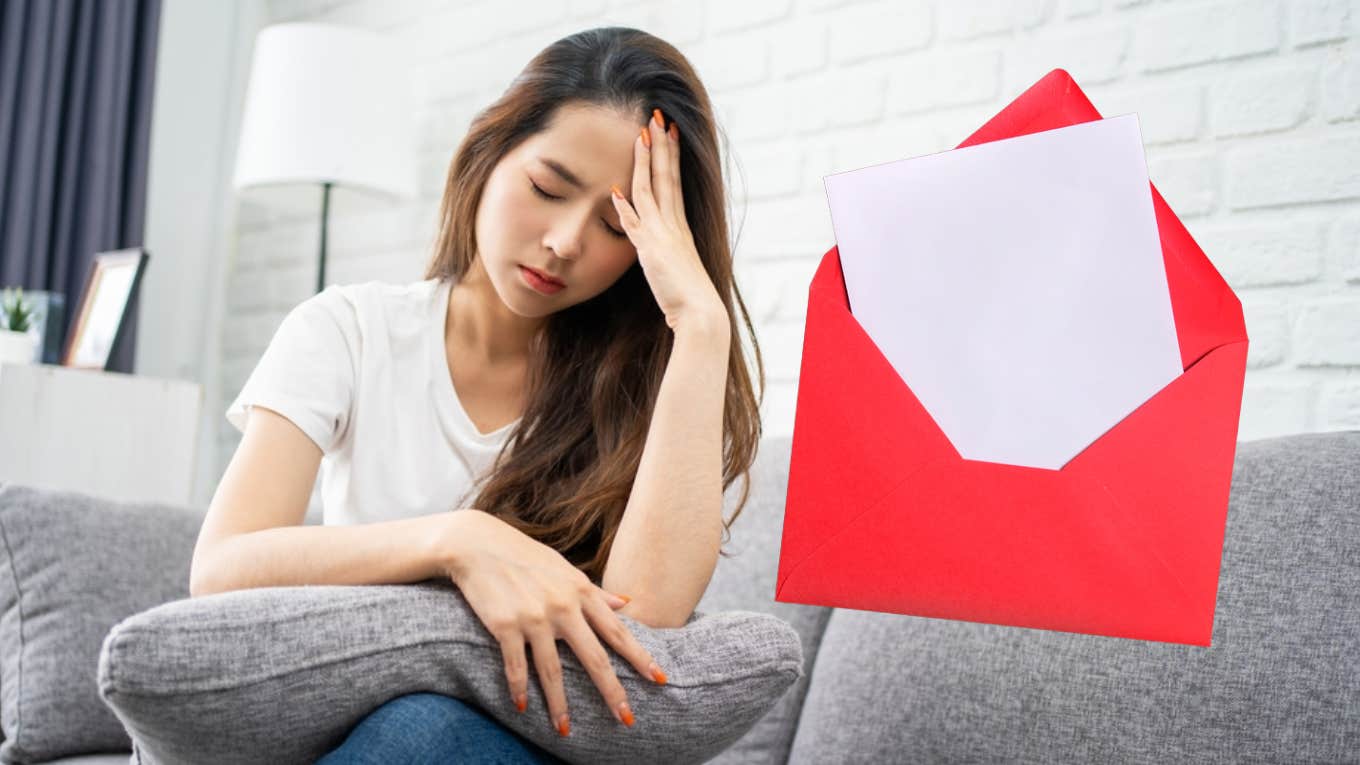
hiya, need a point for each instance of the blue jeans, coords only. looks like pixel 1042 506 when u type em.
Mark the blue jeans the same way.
pixel 433 728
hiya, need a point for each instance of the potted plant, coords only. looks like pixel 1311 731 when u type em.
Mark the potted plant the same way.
pixel 16 344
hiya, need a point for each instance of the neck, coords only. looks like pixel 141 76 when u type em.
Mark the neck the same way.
pixel 480 325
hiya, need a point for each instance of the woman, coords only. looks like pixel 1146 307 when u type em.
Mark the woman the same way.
pixel 582 280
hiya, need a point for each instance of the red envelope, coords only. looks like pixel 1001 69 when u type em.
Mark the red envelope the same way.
pixel 1125 540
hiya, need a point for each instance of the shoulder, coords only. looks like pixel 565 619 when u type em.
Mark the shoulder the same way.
pixel 352 306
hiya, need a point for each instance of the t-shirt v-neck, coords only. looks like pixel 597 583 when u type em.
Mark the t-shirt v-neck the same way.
pixel 455 409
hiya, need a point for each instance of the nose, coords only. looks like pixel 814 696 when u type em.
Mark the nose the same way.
pixel 566 233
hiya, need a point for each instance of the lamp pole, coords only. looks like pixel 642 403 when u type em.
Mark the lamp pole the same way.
pixel 325 210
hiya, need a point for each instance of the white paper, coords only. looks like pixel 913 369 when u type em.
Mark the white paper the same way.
pixel 1017 286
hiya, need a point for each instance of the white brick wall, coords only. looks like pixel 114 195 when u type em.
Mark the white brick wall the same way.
pixel 1250 112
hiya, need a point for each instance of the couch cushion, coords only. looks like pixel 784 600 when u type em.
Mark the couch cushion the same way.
pixel 1278 684
pixel 121 758
pixel 281 674
pixel 746 581
pixel 72 566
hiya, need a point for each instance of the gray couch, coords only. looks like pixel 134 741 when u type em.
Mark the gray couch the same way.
pixel 1281 682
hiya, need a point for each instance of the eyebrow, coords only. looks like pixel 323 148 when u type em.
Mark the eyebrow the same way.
pixel 561 170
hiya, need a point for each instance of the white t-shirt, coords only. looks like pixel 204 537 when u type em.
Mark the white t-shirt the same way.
pixel 361 369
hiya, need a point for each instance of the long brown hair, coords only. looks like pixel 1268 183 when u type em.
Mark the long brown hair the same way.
pixel 594 370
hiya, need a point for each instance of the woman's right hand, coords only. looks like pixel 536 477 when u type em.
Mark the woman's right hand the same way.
pixel 525 591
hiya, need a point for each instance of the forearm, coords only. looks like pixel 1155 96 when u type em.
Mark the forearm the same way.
pixel 667 543
pixel 389 552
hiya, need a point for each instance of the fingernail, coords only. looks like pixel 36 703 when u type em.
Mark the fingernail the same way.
pixel 521 702
pixel 563 725
pixel 625 714
pixel 616 191
pixel 646 137
pixel 625 599
pixel 673 132
pixel 657 674
pixel 656 116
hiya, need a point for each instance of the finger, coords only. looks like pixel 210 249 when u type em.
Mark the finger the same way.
pixel 678 197
pixel 617 635
pixel 596 662
pixel 516 667
pixel 628 217
pixel 643 201
pixel 614 600
pixel 549 665
pixel 661 162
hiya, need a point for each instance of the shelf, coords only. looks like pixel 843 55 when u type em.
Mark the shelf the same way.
pixel 120 436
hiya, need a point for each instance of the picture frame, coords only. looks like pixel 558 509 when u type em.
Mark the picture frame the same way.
pixel 111 284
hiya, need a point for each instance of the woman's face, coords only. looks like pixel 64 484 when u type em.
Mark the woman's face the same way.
pixel 575 237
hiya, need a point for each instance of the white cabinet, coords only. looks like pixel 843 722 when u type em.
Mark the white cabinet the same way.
pixel 114 435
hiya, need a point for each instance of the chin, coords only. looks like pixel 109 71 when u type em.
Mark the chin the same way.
pixel 522 301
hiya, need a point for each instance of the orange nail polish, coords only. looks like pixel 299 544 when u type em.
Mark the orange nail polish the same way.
pixel 626 599
pixel 647 137
pixel 656 116
pixel 626 714
pixel 521 702
pixel 563 726
pixel 657 674
pixel 616 191
pixel 673 132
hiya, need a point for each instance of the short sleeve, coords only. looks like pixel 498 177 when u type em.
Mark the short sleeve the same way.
pixel 308 371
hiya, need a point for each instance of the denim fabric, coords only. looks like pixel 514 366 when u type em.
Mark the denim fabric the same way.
pixel 433 728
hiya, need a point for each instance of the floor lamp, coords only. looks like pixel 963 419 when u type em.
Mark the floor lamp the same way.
pixel 331 105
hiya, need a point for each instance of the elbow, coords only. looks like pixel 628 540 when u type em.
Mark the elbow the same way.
pixel 198 585
pixel 200 576
pixel 668 624
pixel 659 619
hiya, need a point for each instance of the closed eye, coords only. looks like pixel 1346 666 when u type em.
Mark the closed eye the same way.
pixel 616 233
pixel 541 192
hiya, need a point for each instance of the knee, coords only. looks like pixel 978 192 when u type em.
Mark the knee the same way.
pixel 430 707
pixel 443 724
pixel 417 727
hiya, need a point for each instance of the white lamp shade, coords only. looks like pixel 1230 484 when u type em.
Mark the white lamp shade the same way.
pixel 327 103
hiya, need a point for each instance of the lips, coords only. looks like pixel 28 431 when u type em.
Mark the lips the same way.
pixel 543 285
pixel 546 277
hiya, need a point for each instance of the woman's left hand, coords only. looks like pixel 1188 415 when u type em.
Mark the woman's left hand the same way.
pixel 655 223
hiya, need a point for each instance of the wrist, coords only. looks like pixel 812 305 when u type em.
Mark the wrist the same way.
pixel 443 551
pixel 708 326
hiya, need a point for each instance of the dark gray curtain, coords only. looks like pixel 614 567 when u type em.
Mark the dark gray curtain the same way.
pixel 76 82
